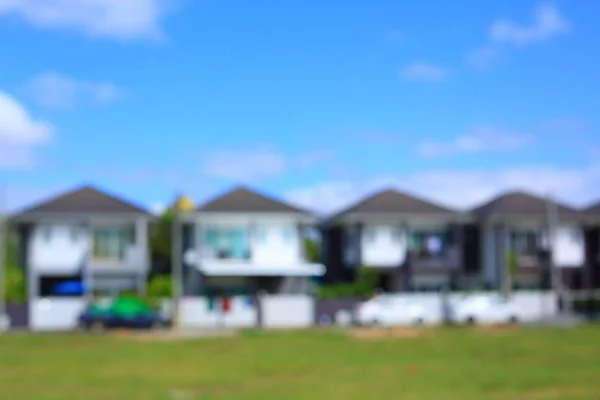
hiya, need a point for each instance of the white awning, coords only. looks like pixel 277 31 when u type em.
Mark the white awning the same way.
pixel 247 269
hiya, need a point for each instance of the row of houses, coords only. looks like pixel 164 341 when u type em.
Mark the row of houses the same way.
pixel 246 242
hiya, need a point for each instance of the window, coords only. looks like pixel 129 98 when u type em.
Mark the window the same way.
pixel 524 243
pixel 370 233
pixel 261 235
pixel 111 243
pixel 74 233
pixel 287 234
pixel 46 232
pixel 428 243
pixel 397 233
pixel 227 242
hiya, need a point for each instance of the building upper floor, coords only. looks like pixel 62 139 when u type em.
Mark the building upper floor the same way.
pixel 82 228
pixel 247 230
pixel 389 227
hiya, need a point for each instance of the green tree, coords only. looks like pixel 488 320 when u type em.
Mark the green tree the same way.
pixel 15 283
pixel 312 251
pixel 161 234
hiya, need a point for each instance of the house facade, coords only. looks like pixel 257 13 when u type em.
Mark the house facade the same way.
pixel 414 244
pixel 77 243
pixel 523 236
pixel 244 248
pixel 246 242
pixel 590 278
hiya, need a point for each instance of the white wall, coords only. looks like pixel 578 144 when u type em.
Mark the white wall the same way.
pixel 276 248
pixel 58 253
pixel 194 313
pixel 55 314
pixel 293 311
pixel 569 247
pixel 54 250
pixel 271 249
pixel 383 246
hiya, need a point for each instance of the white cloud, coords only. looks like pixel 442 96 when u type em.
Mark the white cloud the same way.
pixel 314 158
pixel 157 208
pixel 422 71
pixel 20 134
pixel 54 90
pixel 479 139
pixel 244 165
pixel 458 188
pixel 123 19
pixel 548 22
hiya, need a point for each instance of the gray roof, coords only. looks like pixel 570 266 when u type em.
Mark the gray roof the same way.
pixel 519 203
pixel 83 200
pixel 391 201
pixel 243 199
pixel 594 209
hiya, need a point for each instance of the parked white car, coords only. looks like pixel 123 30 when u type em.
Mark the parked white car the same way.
pixel 486 310
pixel 386 310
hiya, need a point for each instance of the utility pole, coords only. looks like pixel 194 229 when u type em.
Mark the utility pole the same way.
pixel 552 221
pixel 4 321
pixel 176 264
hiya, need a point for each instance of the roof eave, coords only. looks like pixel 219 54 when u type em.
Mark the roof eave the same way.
pixel 37 216
pixel 443 217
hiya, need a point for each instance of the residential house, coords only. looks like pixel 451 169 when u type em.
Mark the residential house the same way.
pixel 516 225
pixel 591 275
pixel 82 241
pixel 244 242
pixel 413 243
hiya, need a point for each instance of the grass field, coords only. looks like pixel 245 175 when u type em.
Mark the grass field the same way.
pixel 443 364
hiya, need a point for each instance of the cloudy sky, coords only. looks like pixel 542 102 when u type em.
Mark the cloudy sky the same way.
pixel 317 102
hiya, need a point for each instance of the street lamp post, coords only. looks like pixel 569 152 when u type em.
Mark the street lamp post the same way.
pixel 4 321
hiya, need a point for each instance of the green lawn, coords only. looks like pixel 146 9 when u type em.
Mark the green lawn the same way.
pixel 446 364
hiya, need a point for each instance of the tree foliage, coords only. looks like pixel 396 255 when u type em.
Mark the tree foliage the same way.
pixel 312 251
pixel 161 233
pixel 15 283
pixel 365 285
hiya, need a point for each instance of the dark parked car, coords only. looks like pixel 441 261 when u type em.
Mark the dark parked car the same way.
pixel 122 313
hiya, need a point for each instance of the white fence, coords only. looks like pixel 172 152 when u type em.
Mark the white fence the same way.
pixel 300 311
pixel 279 311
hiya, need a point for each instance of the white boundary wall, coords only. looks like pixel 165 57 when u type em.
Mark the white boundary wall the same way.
pixel 55 314
pixel 194 312
pixel 287 311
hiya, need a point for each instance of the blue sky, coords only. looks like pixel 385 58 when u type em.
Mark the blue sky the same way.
pixel 317 102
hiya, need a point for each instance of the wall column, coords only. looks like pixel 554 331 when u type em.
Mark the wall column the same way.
pixel 407 270
pixel 141 243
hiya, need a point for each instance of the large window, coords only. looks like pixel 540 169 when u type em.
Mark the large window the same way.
pixel 427 243
pixel 227 242
pixel 524 243
pixel 111 243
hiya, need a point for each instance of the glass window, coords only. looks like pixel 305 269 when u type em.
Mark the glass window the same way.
pixel 370 233
pixel 46 232
pixel 111 242
pixel 74 233
pixel 428 243
pixel 524 243
pixel 261 235
pixel 227 242
pixel 287 234
pixel 397 233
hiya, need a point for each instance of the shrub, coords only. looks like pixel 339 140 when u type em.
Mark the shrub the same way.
pixel 160 287
pixel 364 285
pixel 16 285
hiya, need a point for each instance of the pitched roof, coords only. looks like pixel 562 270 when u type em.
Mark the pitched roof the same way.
pixel 83 200
pixel 243 199
pixel 520 203
pixel 593 209
pixel 391 201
